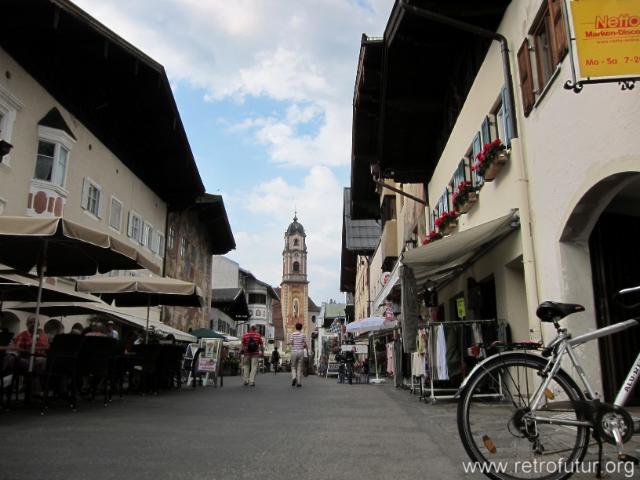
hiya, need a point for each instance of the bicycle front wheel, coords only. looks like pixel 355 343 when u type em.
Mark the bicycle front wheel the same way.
pixel 498 428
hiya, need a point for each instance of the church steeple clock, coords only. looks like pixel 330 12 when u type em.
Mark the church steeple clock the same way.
pixel 295 286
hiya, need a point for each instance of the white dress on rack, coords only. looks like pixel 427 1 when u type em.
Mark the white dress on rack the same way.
pixel 441 351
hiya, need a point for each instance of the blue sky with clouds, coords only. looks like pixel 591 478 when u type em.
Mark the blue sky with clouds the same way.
pixel 264 89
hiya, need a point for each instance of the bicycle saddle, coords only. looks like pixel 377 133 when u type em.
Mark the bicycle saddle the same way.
pixel 550 311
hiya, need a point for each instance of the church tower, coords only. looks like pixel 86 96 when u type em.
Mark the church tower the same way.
pixel 294 288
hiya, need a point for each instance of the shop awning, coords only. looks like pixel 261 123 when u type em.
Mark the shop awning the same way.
pixel 452 254
pixel 378 301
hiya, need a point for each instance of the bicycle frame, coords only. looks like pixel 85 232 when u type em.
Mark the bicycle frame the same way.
pixel 564 344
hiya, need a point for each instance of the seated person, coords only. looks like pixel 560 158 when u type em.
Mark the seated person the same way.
pixel 17 357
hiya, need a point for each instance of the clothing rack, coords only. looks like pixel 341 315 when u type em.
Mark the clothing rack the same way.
pixel 434 393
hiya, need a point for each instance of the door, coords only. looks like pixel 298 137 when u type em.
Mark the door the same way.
pixel 615 263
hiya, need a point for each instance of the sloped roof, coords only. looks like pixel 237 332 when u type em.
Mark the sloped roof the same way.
pixel 116 91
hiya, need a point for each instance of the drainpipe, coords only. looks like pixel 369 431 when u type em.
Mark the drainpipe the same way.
pixel 482 32
pixel 528 257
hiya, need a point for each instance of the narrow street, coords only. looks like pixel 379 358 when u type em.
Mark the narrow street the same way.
pixel 273 431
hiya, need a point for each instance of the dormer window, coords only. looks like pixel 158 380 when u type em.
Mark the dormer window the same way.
pixel 51 163
pixel 55 141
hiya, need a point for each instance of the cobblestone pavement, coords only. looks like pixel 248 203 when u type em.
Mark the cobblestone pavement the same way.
pixel 273 431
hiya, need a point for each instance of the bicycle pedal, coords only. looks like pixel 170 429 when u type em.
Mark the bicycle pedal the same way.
pixel 626 458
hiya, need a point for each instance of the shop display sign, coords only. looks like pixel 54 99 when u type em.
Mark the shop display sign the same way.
pixel 607 37
pixel 461 307
pixel 210 355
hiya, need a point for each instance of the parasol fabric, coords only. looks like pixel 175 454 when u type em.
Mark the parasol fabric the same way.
pixel 65 248
pixel 143 291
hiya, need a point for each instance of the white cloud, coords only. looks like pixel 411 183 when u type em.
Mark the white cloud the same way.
pixel 318 193
pixel 301 54
pixel 286 50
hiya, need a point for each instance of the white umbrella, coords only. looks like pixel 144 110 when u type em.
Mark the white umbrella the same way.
pixel 372 324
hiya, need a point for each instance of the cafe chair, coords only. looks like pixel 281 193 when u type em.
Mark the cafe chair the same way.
pixel 62 368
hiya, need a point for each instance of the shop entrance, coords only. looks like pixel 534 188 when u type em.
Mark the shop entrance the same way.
pixel 615 263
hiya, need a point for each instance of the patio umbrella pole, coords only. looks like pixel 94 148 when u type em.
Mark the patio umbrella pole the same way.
pixel 146 330
pixel 42 269
pixel 375 360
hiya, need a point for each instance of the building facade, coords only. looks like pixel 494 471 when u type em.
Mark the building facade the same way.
pixel 551 220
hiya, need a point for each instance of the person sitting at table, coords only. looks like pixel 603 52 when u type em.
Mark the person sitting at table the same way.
pixel 97 328
pixel 19 351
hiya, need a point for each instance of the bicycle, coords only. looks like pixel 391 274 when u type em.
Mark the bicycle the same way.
pixel 521 415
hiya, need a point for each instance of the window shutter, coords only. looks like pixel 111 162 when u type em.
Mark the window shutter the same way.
pixel 486 130
pixel 84 202
pixel 506 118
pixel 559 30
pixel 100 204
pixel 526 78
pixel 130 225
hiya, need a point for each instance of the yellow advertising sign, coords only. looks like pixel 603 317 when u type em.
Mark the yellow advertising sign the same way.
pixel 607 37
pixel 461 308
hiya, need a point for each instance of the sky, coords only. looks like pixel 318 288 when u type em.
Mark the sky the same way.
pixel 265 91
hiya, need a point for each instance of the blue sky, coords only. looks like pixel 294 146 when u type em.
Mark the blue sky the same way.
pixel 264 89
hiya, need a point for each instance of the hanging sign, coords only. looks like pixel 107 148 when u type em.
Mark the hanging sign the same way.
pixel 607 37
pixel 461 309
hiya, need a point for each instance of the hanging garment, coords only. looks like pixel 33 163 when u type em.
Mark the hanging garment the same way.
pixel 478 340
pixel 441 354
pixel 417 365
pixel 421 341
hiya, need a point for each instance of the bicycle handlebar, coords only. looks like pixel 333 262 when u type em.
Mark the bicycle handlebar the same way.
pixel 625 291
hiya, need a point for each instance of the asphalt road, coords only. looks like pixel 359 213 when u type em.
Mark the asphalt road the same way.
pixel 273 431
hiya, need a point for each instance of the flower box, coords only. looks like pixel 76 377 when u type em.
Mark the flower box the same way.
pixel 447 222
pixel 472 198
pixel 492 172
pixel 431 237
pixel 490 160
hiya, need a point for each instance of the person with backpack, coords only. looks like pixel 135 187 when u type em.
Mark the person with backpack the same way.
pixel 275 358
pixel 252 350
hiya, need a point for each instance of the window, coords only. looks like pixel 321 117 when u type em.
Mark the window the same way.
pixel 261 330
pixel 183 247
pixel 51 162
pixel 476 147
pixel 161 245
pixel 134 230
pixel 295 242
pixel 9 105
pixel 296 266
pixel 549 45
pixel 172 238
pixel 501 115
pixel 91 197
pixel 147 235
pixel 115 214
pixel 260 298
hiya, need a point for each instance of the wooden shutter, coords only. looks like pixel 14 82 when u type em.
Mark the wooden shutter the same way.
pixel 526 78
pixel 84 202
pixel 130 225
pixel 506 118
pixel 486 130
pixel 558 31
pixel 100 209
